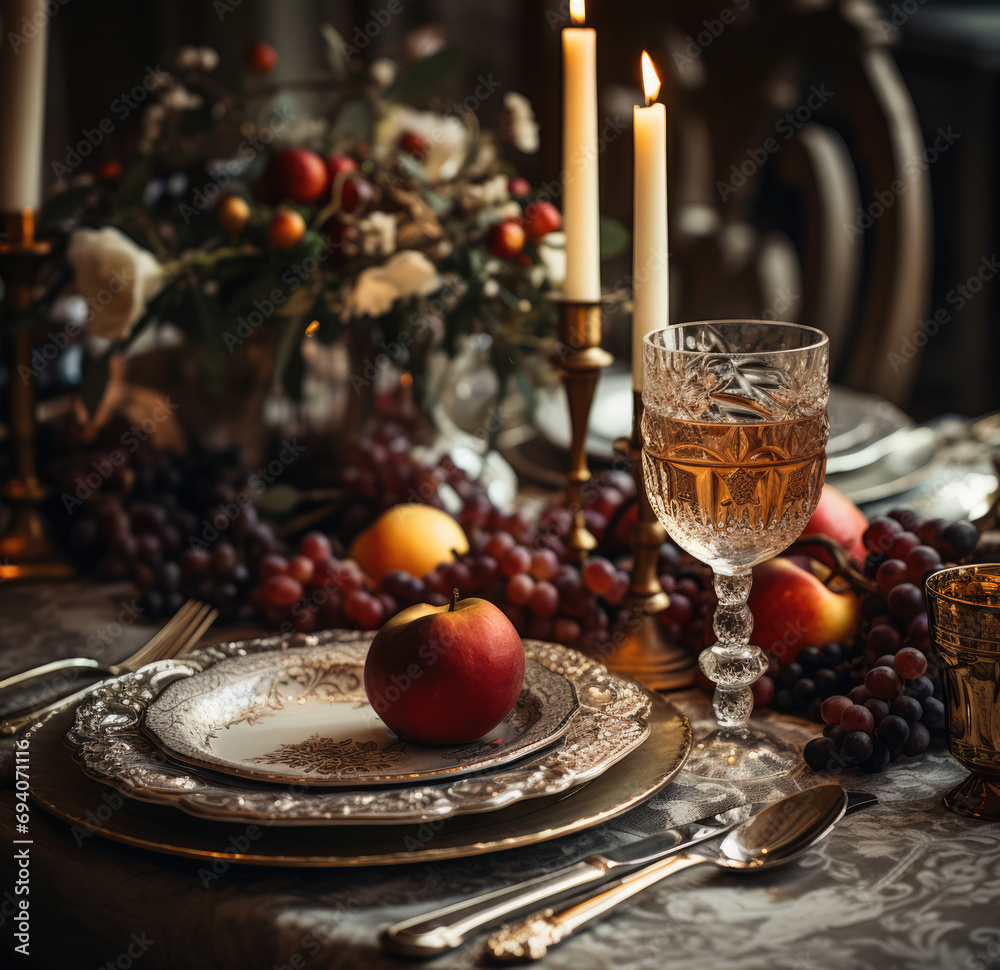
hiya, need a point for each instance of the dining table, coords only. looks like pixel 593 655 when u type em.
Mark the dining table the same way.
pixel 904 883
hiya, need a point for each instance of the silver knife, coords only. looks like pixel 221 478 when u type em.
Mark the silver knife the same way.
pixel 429 934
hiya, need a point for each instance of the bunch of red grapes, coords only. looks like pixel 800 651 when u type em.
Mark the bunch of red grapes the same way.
pixel 896 700
pixel 524 569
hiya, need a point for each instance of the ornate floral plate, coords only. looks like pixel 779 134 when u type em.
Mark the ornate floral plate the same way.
pixel 109 743
pixel 60 788
pixel 301 717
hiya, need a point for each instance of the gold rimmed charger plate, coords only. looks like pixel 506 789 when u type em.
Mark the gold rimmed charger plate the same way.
pixel 60 787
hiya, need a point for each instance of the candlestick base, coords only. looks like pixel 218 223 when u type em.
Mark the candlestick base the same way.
pixel 581 358
pixel 639 645
pixel 26 551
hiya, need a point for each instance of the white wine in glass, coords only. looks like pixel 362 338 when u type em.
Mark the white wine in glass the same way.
pixel 734 438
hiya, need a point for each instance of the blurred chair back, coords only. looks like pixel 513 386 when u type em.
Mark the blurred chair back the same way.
pixel 798 181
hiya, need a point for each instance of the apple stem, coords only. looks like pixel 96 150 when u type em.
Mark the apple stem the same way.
pixel 454 601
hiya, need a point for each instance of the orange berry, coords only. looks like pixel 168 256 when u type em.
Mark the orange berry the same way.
pixel 233 213
pixel 286 229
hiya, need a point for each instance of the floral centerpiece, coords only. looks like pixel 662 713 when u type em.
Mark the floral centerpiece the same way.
pixel 383 216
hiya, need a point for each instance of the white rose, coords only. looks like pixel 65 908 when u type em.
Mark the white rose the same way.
pixel 404 275
pixel 377 234
pixel 477 195
pixel 552 253
pixel 523 127
pixel 116 277
pixel 446 135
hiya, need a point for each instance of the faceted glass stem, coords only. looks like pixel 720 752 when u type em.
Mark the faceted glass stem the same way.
pixel 733 663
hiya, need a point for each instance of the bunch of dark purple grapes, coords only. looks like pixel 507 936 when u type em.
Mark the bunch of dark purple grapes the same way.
pixel 176 526
pixel 898 704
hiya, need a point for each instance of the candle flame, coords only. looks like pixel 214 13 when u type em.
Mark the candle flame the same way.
pixel 312 328
pixel 576 11
pixel 650 79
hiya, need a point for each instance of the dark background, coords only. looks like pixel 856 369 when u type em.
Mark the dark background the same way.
pixel 948 54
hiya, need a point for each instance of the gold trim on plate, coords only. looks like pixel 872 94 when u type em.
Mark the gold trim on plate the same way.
pixel 60 788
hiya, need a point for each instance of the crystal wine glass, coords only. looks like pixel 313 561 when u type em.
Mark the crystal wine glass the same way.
pixel 734 435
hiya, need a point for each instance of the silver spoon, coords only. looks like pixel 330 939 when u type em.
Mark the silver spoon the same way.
pixel 775 835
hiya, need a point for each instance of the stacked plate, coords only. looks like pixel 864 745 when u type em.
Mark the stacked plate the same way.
pixel 278 732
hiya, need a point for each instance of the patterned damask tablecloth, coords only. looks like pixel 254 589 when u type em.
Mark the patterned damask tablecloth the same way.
pixel 905 884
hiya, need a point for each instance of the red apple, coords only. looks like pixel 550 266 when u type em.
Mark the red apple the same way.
pixel 297 174
pixel 541 218
pixel 445 674
pixel 839 518
pixel 792 609
pixel 506 239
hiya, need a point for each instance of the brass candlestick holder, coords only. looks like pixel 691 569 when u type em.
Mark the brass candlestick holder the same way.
pixel 581 358
pixel 639 645
pixel 26 552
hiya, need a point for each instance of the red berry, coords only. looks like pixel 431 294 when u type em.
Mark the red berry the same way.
pixel 507 239
pixel 763 691
pixel 304 620
pixel 544 564
pixel 518 560
pixel 272 565
pixel 890 574
pixel 566 631
pixel 301 568
pixel 499 544
pixel 518 187
pixel 920 561
pixel 260 58
pixel 519 589
pixel 857 718
pixel 902 545
pixel 297 174
pixel 282 590
pixel 544 600
pixel 315 545
pixel 109 171
pixel 883 682
pixel 833 707
pixel 910 663
pixel 416 144
pixel 681 609
pixel 326 572
pixel 350 577
pixel 364 609
pixel 906 600
pixel 880 534
pixel 599 575
pixel 541 218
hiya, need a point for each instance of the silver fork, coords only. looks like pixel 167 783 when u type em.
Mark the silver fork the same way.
pixel 178 635
pixel 137 659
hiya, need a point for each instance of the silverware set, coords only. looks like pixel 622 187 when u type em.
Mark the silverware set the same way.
pixel 178 635
pixel 777 834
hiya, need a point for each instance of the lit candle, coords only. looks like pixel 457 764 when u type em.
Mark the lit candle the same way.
pixel 22 103
pixel 581 215
pixel 649 254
